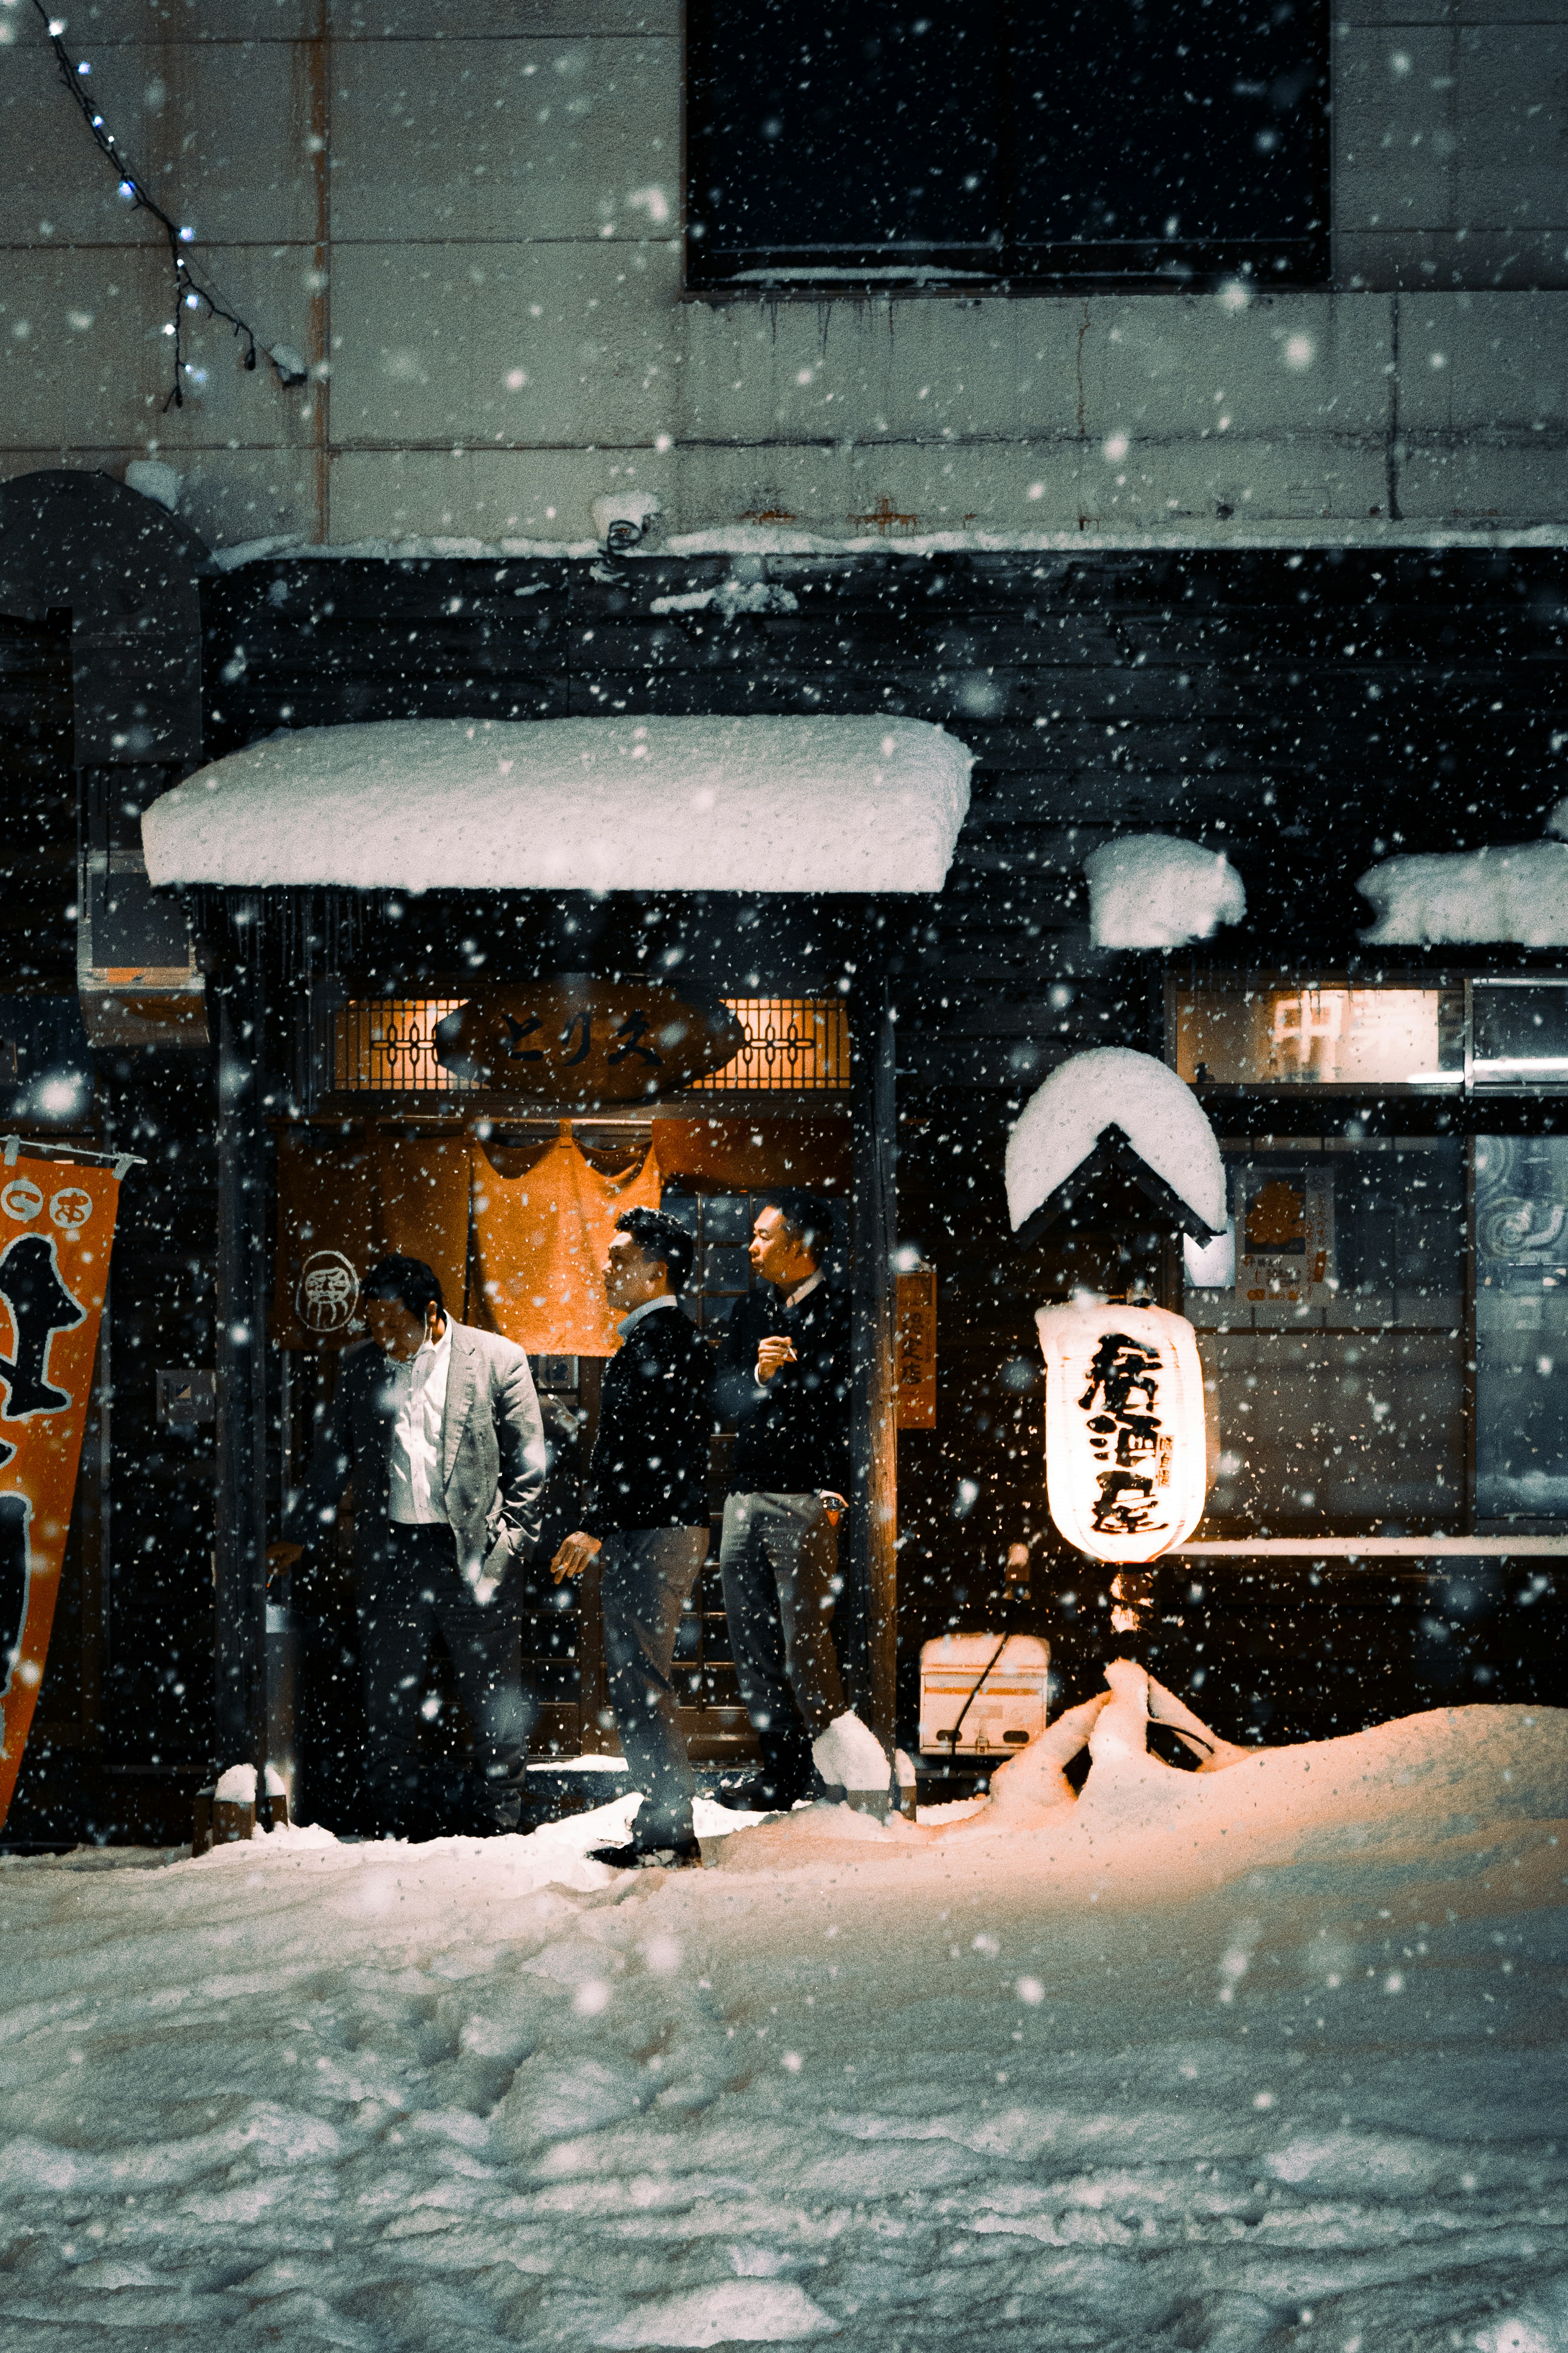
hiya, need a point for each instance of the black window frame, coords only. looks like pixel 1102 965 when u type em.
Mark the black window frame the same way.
pixel 1005 266
pixel 1471 1105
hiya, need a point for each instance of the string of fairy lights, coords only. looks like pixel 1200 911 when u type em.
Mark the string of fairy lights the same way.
pixel 193 287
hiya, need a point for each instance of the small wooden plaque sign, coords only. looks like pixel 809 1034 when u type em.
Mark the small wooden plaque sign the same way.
pixel 917 1348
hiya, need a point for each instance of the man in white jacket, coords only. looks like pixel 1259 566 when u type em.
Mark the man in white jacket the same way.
pixel 438 1428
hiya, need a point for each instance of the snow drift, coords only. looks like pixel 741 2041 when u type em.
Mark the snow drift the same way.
pixel 1152 891
pixel 1267 2055
pixel 787 804
pixel 1113 1086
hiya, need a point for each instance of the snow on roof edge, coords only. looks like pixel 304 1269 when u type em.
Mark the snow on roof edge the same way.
pixel 787 540
pixel 753 804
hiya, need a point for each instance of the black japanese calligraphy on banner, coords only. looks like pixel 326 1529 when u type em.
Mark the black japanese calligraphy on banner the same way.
pixel 586 1041
pixel 1125 1471
pixel 56 1230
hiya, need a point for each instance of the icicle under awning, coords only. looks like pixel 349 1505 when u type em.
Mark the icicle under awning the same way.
pixel 707 804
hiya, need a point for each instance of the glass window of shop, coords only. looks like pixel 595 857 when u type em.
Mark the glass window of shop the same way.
pixel 1386 1347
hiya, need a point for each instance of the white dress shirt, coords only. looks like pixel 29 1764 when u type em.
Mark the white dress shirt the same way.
pixel 804 1290
pixel 418 1392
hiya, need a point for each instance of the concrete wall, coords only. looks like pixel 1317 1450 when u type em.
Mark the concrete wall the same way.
pixel 465 219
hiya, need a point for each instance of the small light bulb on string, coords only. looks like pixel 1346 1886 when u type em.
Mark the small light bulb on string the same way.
pixel 189 293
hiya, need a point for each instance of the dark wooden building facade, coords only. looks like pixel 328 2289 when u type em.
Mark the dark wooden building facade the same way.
pixel 1308 711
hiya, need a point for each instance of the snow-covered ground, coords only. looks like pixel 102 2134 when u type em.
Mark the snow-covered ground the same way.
pixel 1266 2057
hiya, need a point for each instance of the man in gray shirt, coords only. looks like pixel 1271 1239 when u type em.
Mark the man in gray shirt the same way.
pixel 438 1428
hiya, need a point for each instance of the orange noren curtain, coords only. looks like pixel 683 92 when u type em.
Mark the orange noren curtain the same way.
pixel 540 1241
pixel 339 1211
pixel 733 1153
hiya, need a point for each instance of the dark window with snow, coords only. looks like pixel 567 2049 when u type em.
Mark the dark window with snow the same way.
pixel 835 142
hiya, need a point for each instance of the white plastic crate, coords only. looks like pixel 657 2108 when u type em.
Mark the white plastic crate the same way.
pixel 1006 1705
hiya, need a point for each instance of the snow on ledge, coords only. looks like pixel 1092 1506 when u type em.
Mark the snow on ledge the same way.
pixel 1153 890
pixel 798 540
pixel 755 803
pixel 1462 898
pixel 1111 1085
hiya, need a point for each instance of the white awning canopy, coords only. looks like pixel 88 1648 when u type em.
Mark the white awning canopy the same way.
pixel 767 804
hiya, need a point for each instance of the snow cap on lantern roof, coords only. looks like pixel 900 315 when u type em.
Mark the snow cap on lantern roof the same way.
pixel 706 803
pixel 1061 1125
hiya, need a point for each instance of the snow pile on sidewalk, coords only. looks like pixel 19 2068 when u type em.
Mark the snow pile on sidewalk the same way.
pixel 763 804
pixel 1060 1124
pixel 1263 2057
pixel 1152 891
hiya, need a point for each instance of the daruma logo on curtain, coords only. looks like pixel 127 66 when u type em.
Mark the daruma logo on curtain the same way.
pixel 57 1228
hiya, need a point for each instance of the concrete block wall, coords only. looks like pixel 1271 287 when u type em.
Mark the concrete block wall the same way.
pixel 466 220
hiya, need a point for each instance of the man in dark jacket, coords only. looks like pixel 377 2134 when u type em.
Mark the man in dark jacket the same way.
pixel 438 1428
pixel 646 1520
pixel 785 1375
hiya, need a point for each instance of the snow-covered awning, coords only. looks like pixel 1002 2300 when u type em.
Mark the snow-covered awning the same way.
pixel 765 804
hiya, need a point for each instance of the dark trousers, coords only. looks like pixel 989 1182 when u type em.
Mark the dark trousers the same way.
pixel 646 1577
pixel 779 1560
pixel 408 1586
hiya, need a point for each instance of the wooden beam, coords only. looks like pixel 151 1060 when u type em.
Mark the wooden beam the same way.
pixel 871 1657
pixel 240 1595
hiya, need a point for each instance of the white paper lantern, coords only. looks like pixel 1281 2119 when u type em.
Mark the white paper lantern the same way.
pixel 1125 1472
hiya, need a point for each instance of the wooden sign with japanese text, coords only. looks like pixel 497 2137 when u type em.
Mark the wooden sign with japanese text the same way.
pixel 917 1349
pixel 57 1230
pixel 589 1041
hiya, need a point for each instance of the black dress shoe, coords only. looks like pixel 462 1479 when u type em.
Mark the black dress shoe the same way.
pixel 686 1856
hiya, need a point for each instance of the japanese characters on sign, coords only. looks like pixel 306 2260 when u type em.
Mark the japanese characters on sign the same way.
pixel 57 1228
pixel 1125 1473
pixel 589 1041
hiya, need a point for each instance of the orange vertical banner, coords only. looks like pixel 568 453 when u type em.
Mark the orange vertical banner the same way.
pixel 56 1230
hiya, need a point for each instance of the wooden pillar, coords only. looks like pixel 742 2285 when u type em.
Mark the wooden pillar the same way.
pixel 240 1596
pixel 870 1655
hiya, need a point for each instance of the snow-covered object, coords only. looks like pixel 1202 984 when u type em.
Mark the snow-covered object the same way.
pixel 1125 1459
pixel 290 365
pixel 1150 890
pixel 730 596
pixel 1113 1086
pixel 786 804
pixel 154 479
pixel 849 1756
pixel 1465 897
pixel 236 1786
pixel 624 517
pixel 1211 1265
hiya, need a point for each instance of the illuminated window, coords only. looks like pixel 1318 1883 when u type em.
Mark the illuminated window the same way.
pixel 794 1045
pixel 385 1046
pixel 1311 1034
